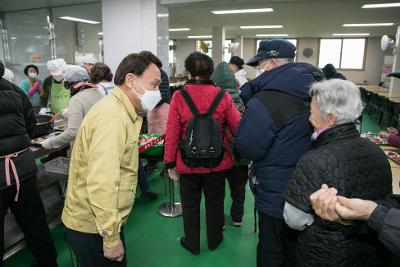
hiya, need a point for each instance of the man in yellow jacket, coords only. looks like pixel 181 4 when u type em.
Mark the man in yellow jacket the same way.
pixel 104 162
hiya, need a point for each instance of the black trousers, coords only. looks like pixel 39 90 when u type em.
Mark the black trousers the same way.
pixel 237 179
pixel 88 249
pixel 276 242
pixel 30 216
pixel 191 187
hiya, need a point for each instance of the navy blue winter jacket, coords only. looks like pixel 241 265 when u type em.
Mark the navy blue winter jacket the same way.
pixel 274 131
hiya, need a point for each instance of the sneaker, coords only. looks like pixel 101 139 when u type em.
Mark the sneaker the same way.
pixel 149 195
pixel 237 224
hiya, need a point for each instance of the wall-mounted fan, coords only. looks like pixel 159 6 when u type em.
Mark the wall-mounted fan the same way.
pixel 387 42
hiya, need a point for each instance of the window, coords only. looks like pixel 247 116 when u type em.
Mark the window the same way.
pixel 207 48
pixel 342 53
pixel 171 52
pixel 293 41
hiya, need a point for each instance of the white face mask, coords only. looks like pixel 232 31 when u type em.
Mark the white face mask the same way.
pixel 32 75
pixel 149 99
pixel 58 78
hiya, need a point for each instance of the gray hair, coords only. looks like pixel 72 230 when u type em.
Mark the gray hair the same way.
pixel 283 61
pixel 339 97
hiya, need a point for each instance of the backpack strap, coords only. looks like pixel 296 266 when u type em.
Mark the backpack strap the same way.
pixel 189 101
pixel 215 102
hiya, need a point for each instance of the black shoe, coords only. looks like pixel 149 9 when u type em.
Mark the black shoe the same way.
pixel 214 247
pixel 193 251
pixel 149 195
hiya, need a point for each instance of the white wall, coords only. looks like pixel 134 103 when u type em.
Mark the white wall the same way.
pixel 308 43
pixel 129 27
pixel 183 48
pixel 249 48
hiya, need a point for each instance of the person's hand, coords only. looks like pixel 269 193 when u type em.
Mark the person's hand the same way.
pixel 64 113
pixel 384 135
pixel 392 130
pixel 323 202
pixel 173 174
pixel 354 208
pixel 115 253
pixel 46 144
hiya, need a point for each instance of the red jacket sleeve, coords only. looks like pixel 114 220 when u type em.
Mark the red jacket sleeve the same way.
pixel 173 132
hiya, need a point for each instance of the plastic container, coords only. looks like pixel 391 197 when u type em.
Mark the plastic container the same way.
pixel 58 165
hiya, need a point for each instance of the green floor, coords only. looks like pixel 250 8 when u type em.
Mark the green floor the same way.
pixel 153 240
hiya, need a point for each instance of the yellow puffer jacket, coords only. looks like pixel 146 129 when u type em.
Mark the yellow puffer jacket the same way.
pixel 103 169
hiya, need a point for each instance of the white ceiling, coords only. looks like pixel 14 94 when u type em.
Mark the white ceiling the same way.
pixel 300 18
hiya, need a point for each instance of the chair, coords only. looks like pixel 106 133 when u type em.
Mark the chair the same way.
pixel 386 112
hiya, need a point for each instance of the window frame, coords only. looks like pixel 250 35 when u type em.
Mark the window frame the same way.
pixel 341 52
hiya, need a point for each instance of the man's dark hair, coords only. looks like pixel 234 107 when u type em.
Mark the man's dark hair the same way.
pixel 100 72
pixel 135 63
pixel 152 57
pixel 199 65
pixel 235 60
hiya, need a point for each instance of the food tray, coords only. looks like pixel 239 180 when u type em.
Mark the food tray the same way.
pixel 151 144
pixel 58 165
pixel 39 140
pixel 375 138
pixel 393 155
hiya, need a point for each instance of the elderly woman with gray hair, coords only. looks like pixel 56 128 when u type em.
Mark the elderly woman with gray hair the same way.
pixel 356 167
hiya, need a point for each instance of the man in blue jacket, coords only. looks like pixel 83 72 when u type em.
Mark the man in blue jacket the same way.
pixel 274 133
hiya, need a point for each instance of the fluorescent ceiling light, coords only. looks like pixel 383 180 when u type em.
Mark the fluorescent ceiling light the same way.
pixel 199 36
pixel 13 38
pixel 179 30
pixel 350 34
pixel 79 20
pixel 273 35
pixel 240 11
pixel 100 33
pixel 162 15
pixel 262 27
pixel 381 5
pixel 367 24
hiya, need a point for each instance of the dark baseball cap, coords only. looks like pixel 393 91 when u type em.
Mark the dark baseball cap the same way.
pixel 275 48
